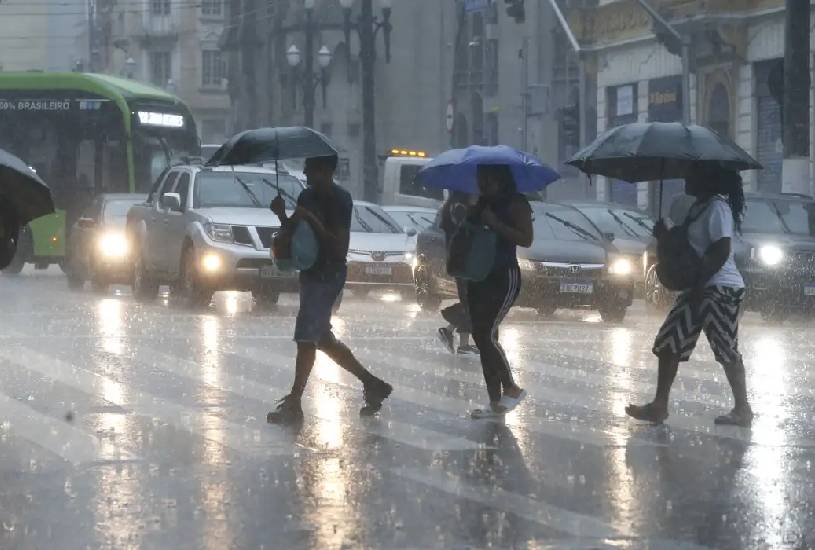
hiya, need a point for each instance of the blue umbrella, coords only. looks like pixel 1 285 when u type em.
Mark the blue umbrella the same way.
pixel 456 169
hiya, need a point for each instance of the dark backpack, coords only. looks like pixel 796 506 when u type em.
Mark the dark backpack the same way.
pixel 471 252
pixel 678 265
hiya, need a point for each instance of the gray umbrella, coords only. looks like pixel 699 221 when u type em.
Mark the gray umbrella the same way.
pixel 659 150
pixel 272 144
pixel 23 189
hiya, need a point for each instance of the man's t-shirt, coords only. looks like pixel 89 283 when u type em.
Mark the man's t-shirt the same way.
pixel 715 223
pixel 334 209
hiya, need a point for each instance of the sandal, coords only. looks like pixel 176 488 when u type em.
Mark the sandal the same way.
pixel 742 418
pixel 647 413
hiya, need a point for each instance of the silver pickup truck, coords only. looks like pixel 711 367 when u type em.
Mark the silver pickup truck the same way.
pixel 203 230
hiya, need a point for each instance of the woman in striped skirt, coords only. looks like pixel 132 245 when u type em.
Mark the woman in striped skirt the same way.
pixel 714 304
pixel 507 212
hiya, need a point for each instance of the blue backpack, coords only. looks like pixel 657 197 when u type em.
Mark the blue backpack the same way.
pixel 471 255
pixel 303 247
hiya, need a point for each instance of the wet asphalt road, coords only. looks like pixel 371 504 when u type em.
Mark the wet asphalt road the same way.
pixel 128 425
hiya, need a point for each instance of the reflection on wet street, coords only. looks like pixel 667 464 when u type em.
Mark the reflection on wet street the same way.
pixel 129 425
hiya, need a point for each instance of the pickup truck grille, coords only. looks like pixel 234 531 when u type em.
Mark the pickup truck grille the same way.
pixel 266 234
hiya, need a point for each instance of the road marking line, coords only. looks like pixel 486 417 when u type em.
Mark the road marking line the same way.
pixel 407 434
pixel 57 436
pixel 253 441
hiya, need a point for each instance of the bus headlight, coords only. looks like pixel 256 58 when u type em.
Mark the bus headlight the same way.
pixel 620 266
pixel 113 245
pixel 770 255
pixel 211 262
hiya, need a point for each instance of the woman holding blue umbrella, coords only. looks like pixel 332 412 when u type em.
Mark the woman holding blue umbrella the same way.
pixel 499 175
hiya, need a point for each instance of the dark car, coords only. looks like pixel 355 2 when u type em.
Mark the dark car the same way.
pixel 569 265
pixel 629 230
pixel 97 248
pixel 775 254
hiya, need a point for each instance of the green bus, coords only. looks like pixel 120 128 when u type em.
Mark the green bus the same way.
pixel 87 134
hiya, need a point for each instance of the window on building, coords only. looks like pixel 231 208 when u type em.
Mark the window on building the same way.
pixel 160 68
pixel 212 7
pixel 160 7
pixel 213 69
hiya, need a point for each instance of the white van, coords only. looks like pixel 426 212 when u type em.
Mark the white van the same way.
pixel 399 187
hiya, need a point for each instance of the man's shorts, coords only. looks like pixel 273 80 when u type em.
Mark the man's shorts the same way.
pixel 318 294
pixel 717 315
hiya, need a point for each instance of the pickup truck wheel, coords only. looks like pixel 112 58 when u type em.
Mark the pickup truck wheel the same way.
pixel 25 249
pixel 145 288
pixel 546 310
pixel 188 291
pixel 427 300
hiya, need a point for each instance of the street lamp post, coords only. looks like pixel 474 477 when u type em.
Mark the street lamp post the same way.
pixel 367 27
pixel 309 79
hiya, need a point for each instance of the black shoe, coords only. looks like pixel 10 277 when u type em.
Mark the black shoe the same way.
pixel 737 417
pixel 374 394
pixel 446 338
pixel 288 411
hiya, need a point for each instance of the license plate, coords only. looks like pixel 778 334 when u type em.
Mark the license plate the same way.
pixel 269 272
pixel 576 288
pixel 809 290
pixel 378 269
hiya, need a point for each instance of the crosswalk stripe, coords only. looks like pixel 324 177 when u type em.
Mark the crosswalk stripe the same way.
pixel 57 436
pixel 583 527
pixel 571 431
pixel 248 440
pixel 407 434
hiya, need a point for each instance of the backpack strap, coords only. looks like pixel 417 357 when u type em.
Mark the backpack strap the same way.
pixel 690 219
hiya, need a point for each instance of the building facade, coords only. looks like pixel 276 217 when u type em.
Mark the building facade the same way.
pixel 736 83
pixel 175 46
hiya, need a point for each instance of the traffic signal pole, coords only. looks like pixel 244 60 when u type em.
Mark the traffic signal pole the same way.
pixel 582 101
pixel 795 170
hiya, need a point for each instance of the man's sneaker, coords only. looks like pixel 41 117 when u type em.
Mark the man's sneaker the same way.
pixel 737 417
pixel 288 411
pixel 446 338
pixel 374 394
pixel 468 349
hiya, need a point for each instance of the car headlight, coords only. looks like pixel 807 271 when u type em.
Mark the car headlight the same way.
pixel 113 245
pixel 409 257
pixel 770 255
pixel 620 266
pixel 220 232
pixel 211 262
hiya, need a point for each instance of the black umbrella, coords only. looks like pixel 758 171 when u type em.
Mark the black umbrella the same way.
pixel 272 144
pixel 23 189
pixel 657 151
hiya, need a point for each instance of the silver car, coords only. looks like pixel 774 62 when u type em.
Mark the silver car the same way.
pixel 204 229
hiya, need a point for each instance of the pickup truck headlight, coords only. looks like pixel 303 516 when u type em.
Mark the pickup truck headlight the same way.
pixel 113 245
pixel 220 232
pixel 770 255
pixel 620 266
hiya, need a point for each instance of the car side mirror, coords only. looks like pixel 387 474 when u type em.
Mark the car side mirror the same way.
pixel 86 223
pixel 411 232
pixel 171 201
pixel 609 236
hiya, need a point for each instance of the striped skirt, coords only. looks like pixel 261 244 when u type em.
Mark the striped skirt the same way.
pixel 717 315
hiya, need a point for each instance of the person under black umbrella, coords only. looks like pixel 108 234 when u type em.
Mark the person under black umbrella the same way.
pixel 327 208
pixel 714 303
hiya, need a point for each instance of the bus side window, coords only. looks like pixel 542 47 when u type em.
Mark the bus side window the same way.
pixel 114 175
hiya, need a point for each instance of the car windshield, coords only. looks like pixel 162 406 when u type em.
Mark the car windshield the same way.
pixel 798 217
pixel 623 223
pixel 761 216
pixel 244 189
pixel 413 220
pixel 372 219
pixel 116 210
pixel 564 224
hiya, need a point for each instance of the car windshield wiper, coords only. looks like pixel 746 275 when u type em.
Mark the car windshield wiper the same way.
pixel 292 200
pixel 362 223
pixel 394 229
pixel 576 228
pixel 252 196
pixel 638 221
pixel 627 228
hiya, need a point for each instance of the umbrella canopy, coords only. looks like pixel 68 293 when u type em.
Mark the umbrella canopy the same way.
pixel 268 144
pixel 456 169
pixel 23 189
pixel 659 150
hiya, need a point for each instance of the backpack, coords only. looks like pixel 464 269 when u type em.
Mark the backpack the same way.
pixel 678 265
pixel 471 253
pixel 297 249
